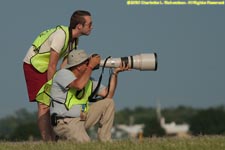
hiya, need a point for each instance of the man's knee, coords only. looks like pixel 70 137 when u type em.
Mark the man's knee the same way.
pixel 109 102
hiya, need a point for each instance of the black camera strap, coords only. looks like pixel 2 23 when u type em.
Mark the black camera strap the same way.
pixel 93 97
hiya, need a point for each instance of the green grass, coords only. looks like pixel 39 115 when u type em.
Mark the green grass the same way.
pixel 166 143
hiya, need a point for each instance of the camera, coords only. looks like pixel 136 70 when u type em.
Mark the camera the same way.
pixel 142 62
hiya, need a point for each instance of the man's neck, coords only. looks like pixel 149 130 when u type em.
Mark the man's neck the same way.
pixel 75 33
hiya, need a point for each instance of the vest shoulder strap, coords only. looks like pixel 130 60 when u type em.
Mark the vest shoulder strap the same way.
pixel 43 36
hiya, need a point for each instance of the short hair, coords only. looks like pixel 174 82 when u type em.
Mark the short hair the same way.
pixel 78 18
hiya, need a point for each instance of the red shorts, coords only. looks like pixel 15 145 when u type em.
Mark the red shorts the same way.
pixel 34 80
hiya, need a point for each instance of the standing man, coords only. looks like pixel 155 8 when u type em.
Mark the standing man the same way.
pixel 71 112
pixel 40 62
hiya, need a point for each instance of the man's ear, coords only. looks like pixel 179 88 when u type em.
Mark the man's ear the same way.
pixel 79 26
pixel 78 67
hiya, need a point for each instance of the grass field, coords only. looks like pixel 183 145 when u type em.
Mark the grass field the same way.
pixel 167 143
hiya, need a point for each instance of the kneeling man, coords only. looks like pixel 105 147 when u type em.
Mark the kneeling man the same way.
pixel 71 112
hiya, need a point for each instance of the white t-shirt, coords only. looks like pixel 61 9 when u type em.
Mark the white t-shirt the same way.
pixel 55 41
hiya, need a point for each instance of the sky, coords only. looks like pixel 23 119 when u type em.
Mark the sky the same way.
pixel 189 41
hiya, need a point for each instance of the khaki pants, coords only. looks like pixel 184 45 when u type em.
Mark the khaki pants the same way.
pixel 101 112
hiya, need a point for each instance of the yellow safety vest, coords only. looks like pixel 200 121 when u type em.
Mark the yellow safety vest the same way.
pixel 40 61
pixel 43 95
pixel 72 97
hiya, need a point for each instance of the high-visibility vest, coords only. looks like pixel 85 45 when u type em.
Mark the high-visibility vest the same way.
pixel 43 95
pixel 40 61
pixel 72 97
pixel 75 97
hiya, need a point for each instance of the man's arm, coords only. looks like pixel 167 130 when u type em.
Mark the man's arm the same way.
pixel 113 84
pixel 113 81
pixel 64 62
pixel 54 57
pixel 82 80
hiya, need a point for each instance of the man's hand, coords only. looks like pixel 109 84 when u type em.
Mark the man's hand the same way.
pixel 94 61
pixel 121 68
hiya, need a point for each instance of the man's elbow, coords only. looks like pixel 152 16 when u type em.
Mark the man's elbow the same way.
pixel 110 95
pixel 76 86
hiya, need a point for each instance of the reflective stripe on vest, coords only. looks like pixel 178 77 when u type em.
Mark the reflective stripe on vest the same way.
pixel 40 61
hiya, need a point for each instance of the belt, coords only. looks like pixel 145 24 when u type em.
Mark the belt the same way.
pixel 59 117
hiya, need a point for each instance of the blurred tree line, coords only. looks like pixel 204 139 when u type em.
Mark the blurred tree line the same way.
pixel 209 121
